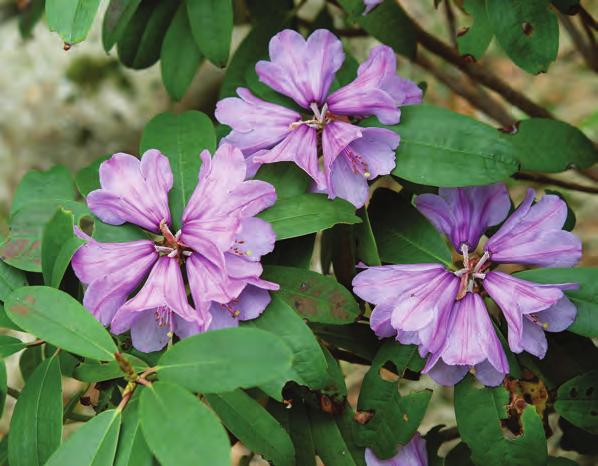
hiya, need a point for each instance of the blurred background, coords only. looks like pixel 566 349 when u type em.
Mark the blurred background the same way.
pixel 71 107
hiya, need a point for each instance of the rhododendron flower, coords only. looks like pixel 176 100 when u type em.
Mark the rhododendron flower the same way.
pixel 412 454
pixel 442 311
pixel 220 245
pixel 304 70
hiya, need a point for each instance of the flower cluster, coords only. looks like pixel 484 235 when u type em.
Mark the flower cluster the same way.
pixel 444 312
pixel 305 70
pixel 219 246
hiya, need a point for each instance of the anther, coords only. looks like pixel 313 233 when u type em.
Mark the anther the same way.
pixel 367 174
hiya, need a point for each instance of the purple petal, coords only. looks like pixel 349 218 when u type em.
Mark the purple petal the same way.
pixel 302 70
pixel 256 124
pixel 557 317
pixel 380 321
pixel 444 374
pixel 147 335
pixel 347 184
pixel 377 90
pixel 488 375
pixel 254 239
pixel 533 235
pixel 301 147
pixel 412 454
pixel 209 282
pixel 133 191
pixel 517 297
pixel 533 339
pixel 369 6
pixel 464 214
pixel 249 305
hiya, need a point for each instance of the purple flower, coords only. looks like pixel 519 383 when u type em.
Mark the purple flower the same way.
pixel 220 245
pixel 412 454
pixel 442 311
pixel 370 4
pixel 304 71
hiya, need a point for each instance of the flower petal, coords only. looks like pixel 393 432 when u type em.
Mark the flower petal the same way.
pixel 254 239
pixel 133 191
pixel 412 454
pixel 557 317
pixel 488 375
pixel 256 124
pixel 533 235
pixel 347 184
pixel 444 374
pixel 464 214
pixel 209 282
pixel 147 335
pixel 302 69
pixel 533 339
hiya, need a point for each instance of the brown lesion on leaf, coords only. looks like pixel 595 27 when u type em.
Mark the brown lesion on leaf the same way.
pixel 29 299
pixel 304 306
pixel 337 304
pixel 19 309
pixel 363 417
pixel 527 28
pixel 15 247
pixel 528 390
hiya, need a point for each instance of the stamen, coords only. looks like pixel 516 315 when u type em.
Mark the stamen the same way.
pixel 316 110
pixel 481 262
pixel 479 275
pixel 465 252
pixel 163 249
pixel 461 272
pixel 187 253
pixel 168 236
pixel 173 254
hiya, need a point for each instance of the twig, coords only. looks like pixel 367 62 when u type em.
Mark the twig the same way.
pixel 587 51
pixel 13 392
pixel 587 18
pixel 349 357
pixel 474 95
pixel 450 22
pixel 543 179
pixel 35 343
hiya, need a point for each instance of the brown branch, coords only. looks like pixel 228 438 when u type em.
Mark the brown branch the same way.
pixel 587 18
pixel 543 179
pixel 587 51
pixel 473 94
pixel 450 22
pixel 480 74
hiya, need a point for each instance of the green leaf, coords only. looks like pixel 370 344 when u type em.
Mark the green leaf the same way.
pixel 307 213
pixel 10 279
pixel 567 7
pixel 356 338
pixel 29 17
pixel 88 178
pixel 294 252
pixel 140 43
pixel 383 22
pixel 577 401
pixel 36 424
pixel 132 449
pixel 300 430
pixel 118 14
pixel 479 412
pixel 551 146
pixel 5 321
pixel 179 58
pixel 106 233
pixel 309 363
pixel 253 48
pixel 181 138
pixel 224 360
pixel 59 319
pixel 29 360
pixel 286 177
pixel 71 19
pixel 391 418
pixel 328 441
pixel 585 298
pixel 405 236
pixel 92 371
pixel 3 390
pixel 560 461
pixel 527 31
pixel 313 296
pixel 254 426
pixel 10 345
pixel 366 248
pixel 442 148
pixel 59 243
pixel 212 27
pixel 180 430
pixel 476 39
pixel 93 444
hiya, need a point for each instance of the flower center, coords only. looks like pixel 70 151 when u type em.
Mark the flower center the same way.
pixel 319 120
pixel 473 269
pixel 171 245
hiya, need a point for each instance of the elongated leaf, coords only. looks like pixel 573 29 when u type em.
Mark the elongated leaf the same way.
pixel 88 178
pixel 315 297
pixel 403 235
pixel 117 16
pixel 357 338
pixel 383 22
pixel 180 430
pixel 254 426
pixel 585 298
pixel 224 360
pixel 180 57
pixel 54 184
pixel 328 441
pixel 577 401
pixel 140 43
pixel 307 213
pixel 479 411
pixel 59 243
pixel 551 146
pixel 97 372
pixel 132 449
pixel 309 363
pixel 212 26
pixel 30 16
pixel 71 19
pixel 476 38
pixel 366 247
pixel 527 31
pixel 286 177
pixel 30 359
pixel 181 138
pixel 442 148
pixel 9 345
pixel 10 279
pixel 59 319
pixel 392 419
pixel 36 424
pixel 106 233
pixel 93 444
pixel 300 430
